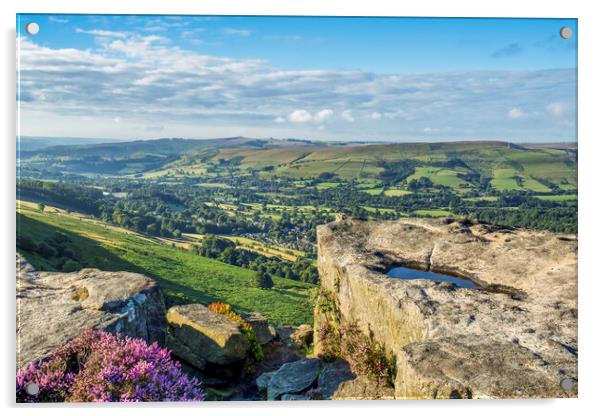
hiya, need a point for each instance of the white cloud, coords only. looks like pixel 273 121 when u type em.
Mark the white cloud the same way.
pixel 347 116
pixel 516 113
pixel 322 115
pixel 230 31
pixel 55 19
pixel 299 116
pixel 292 38
pixel 556 109
pixel 150 80
pixel 102 33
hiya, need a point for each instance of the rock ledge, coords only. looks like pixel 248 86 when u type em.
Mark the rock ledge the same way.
pixel 517 338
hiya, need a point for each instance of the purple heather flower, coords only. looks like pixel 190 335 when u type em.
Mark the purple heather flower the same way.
pixel 97 366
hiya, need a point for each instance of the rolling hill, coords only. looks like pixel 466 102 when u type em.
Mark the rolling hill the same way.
pixel 535 168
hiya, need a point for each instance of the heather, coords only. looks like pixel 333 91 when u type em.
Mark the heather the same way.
pixel 97 366
pixel 365 355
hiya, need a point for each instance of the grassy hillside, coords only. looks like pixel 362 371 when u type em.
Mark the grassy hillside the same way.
pixel 184 276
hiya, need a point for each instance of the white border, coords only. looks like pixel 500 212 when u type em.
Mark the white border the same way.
pixel 590 35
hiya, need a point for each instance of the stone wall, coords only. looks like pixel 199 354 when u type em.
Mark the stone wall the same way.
pixel 515 337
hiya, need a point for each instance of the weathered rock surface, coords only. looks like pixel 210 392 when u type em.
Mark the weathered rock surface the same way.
pixel 263 380
pixel 362 388
pixel 516 338
pixel 303 336
pixel 53 308
pixel 294 397
pixel 332 376
pixel 198 335
pixel 263 330
pixel 293 377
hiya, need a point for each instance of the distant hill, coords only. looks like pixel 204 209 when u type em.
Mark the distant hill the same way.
pixel 535 167
pixel 36 143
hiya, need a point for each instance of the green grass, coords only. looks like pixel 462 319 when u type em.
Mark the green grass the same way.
pixel 439 176
pixel 214 185
pixel 559 198
pixel 327 185
pixel 482 198
pixel 433 213
pixel 396 192
pixel 184 276
pixel 510 178
pixel 374 191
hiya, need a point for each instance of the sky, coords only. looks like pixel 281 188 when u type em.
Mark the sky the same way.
pixel 321 78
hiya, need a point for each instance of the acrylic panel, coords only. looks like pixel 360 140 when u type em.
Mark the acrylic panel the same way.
pixel 295 208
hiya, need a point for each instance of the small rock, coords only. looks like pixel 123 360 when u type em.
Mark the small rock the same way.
pixel 294 397
pixel 293 377
pixel 219 394
pixel 263 380
pixel 361 388
pixel 303 336
pixel 333 375
pixel 284 333
pixel 263 330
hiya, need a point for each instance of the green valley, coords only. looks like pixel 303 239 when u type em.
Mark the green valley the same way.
pixel 184 276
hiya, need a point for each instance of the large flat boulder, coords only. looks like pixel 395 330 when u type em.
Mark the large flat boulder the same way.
pixel 514 337
pixel 198 335
pixel 52 308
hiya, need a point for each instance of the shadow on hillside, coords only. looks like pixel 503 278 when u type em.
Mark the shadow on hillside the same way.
pixel 290 293
pixel 91 254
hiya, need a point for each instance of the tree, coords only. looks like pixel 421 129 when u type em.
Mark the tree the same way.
pixel 71 266
pixel 41 206
pixel 263 280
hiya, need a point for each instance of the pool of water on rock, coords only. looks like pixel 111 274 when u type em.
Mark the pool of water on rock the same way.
pixel 412 274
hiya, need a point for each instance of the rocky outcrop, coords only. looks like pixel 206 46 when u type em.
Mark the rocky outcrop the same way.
pixel 52 308
pixel 198 335
pixel 293 378
pixel 514 337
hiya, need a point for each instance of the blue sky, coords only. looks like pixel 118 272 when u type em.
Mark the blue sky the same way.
pixel 406 79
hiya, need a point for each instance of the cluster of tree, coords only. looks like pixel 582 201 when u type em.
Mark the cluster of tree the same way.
pixel 396 171
pixel 226 251
pixel 82 198
pixel 263 280
pixel 563 220
pixel 421 183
